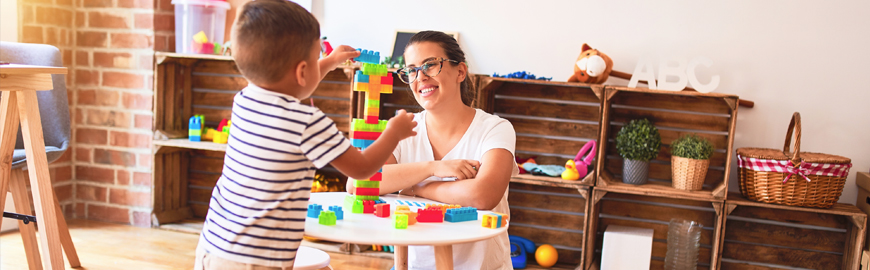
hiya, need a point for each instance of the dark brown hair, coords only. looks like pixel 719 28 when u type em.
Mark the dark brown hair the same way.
pixel 270 37
pixel 451 48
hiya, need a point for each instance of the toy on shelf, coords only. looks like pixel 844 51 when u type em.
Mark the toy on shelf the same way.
pixel 579 166
pixel 325 47
pixel 326 217
pixel 522 75
pixel 382 248
pixel 546 255
pixel 201 44
pixel 592 66
pixel 195 128
pixel 494 220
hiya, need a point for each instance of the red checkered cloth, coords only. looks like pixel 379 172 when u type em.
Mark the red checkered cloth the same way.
pixel 786 166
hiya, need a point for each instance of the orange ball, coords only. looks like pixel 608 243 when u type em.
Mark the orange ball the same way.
pixel 546 255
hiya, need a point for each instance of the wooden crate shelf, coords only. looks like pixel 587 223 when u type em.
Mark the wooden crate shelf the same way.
pixel 674 113
pixel 184 172
pixel 552 120
pixel 550 215
pixel 770 236
pixel 611 208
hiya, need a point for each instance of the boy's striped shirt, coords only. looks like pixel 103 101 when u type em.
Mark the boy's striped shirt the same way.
pixel 258 206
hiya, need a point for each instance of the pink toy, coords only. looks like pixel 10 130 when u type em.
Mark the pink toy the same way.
pixel 581 163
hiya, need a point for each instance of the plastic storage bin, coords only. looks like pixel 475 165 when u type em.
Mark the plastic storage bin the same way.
pixel 199 25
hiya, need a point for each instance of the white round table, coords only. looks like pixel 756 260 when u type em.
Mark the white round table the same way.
pixel 310 259
pixel 370 229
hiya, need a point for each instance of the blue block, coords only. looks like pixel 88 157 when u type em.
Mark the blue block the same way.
pixel 360 77
pixel 460 214
pixel 194 138
pixel 366 56
pixel 339 214
pixel 314 210
pixel 379 201
pixel 360 143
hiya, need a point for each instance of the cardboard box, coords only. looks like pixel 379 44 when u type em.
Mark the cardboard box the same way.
pixel 863 202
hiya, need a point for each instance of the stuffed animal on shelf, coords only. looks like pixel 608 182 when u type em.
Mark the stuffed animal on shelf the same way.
pixel 592 66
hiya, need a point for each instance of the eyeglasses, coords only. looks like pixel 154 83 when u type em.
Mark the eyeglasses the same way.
pixel 431 68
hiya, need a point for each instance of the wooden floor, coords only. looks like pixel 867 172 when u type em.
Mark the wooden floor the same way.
pixel 103 245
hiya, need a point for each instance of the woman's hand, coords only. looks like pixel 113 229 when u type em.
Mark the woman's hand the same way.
pixel 460 168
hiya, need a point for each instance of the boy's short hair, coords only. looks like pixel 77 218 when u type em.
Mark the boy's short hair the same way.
pixel 270 37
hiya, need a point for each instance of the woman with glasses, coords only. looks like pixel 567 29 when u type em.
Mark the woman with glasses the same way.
pixel 460 155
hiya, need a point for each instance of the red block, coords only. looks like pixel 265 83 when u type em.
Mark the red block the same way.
pixel 430 215
pixel 388 80
pixel 367 191
pixel 382 210
pixel 376 177
pixel 371 119
pixel 365 135
pixel 368 207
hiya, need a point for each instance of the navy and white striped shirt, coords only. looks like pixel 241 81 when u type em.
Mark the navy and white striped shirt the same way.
pixel 258 206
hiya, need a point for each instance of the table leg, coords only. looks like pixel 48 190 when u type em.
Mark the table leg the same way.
pixel 40 181
pixel 8 132
pixel 400 257
pixel 444 257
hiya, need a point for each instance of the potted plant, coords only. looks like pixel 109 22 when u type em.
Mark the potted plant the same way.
pixel 637 142
pixel 690 158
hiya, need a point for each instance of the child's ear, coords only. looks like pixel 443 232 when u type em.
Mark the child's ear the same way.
pixel 300 73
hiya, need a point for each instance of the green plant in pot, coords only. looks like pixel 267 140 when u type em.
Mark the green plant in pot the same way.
pixel 637 142
pixel 690 158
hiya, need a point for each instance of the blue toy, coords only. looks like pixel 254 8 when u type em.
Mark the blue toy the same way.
pixel 460 214
pixel 520 250
pixel 194 128
pixel 522 75
pixel 366 56
pixel 339 214
pixel 314 210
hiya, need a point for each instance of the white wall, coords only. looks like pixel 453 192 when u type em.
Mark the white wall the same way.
pixel 786 56
pixel 9 20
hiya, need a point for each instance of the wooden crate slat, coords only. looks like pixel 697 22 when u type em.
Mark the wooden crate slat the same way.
pixel 553 128
pixel 211 114
pixel 332 106
pixel 660 200
pixel 575 92
pixel 552 202
pixel 654 99
pixel 544 145
pixel 672 119
pixel 545 109
pixel 794 217
pixel 337 75
pixel 751 232
pixel 744 266
pixel 552 237
pixel 200 195
pixel 217 67
pixel 205 164
pixel 222 99
pixel 541 218
pixel 199 179
pixel 199 210
pixel 219 82
pixel 781 256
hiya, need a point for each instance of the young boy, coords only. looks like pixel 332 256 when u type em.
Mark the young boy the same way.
pixel 257 211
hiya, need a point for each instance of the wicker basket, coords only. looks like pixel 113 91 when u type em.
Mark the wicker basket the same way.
pixel 796 179
pixel 689 173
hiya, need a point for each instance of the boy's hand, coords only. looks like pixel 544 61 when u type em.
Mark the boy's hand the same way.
pixel 401 126
pixel 460 168
pixel 340 55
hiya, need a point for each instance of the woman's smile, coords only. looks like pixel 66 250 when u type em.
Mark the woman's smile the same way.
pixel 427 90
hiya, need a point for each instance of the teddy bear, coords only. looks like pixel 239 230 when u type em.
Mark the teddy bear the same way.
pixel 592 66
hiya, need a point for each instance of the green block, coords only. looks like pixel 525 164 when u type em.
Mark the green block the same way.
pixel 357 207
pixel 401 221
pixel 348 201
pixel 373 103
pixel 374 69
pixel 366 184
pixel 326 218
pixel 366 198
pixel 361 125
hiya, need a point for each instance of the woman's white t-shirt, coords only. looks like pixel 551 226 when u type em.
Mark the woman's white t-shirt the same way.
pixel 486 132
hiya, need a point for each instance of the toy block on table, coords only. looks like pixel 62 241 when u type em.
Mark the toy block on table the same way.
pixel 361 125
pixel 314 210
pixel 402 207
pixel 461 214
pixel 412 217
pixel 430 215
pixel 326 218
pixel 402 221
pixel 382 210
pixel 366 183
pixel 339 213
pixel 366 198
pixel 494 220
pixel 368 207
pixel 358 207
pixel 379 201
pixel 367 191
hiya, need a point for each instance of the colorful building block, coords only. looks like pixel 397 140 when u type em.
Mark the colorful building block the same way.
pixel 371 119
pixel 221 137
pixel 360 77
pixel 376 178
pixel 379 201
pixel 460 214
pixel 223 123
pixel 373 103
pixel 401 221
pixel 412 216
pixel 494 220
pixel 326 218
pixel 387 80
pixel 365 135
pixel 430 215
pixel 339 214
pixel 366 183
pixel 348 202
pixel 314 210
pixel 368 207
pixel 374 69
pixel 367 56
pixel 360 86
pixel 382 210
pixel 362 144
pixel 372 111
pixel 366 197
pixel 358 207
pixel 361 125
pixel 367 191
pixel 195 128
pixel 402 207
pixel 208 135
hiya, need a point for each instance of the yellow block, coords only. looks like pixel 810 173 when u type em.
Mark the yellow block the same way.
pixel 372 92
pixel 360 86
pixel 372 111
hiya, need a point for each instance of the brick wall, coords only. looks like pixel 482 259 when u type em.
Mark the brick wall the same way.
pixel 109 46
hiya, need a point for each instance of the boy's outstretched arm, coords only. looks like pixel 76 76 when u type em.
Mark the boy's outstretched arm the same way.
pixel 339 55
pixel 362 165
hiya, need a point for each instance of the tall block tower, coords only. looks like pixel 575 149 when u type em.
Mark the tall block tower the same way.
pixel 373 79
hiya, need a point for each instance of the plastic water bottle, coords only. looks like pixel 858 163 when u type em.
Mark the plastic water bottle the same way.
pixel 684 240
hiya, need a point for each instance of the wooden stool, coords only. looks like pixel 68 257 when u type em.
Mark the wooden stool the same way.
pixel 19 84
